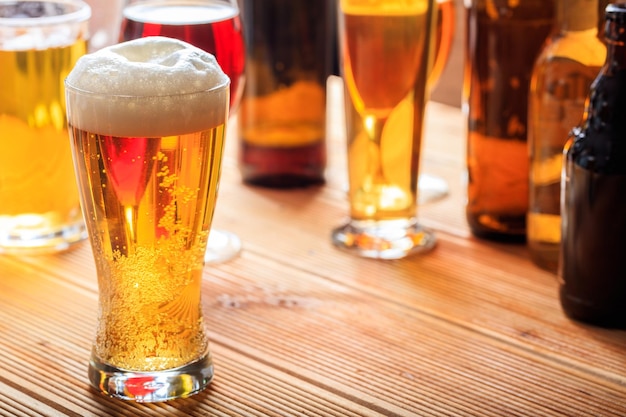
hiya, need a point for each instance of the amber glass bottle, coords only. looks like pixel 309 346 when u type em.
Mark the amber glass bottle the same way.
pixel 593 265
pixel 291 50
pixel 504 38
pixel 563 73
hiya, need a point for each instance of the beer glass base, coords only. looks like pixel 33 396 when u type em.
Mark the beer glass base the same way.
pixel 20 239
pixel 149 387
pixel 431 188
pixel 222 246
pixel 384 239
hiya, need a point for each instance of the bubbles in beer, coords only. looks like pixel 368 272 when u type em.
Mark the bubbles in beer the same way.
pixel 154 320
pixel 153 252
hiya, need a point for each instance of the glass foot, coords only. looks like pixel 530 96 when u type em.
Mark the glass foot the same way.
pixel 222 246
pixel 149 387
pixel 431 188
pixel 387 239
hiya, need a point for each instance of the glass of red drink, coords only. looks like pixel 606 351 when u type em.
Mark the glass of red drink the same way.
pixel 214 26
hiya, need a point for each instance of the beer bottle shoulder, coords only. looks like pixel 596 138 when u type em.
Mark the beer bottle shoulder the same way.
pixel 600 144
pixel 607 104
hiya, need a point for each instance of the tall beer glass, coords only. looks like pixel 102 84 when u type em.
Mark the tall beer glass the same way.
pixel 214 26
pixel 385 51
pixel 147 121
pixel 39 43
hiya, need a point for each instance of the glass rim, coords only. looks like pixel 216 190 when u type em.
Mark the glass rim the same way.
pixel 81 14
pixel 130 10
pixel 216 88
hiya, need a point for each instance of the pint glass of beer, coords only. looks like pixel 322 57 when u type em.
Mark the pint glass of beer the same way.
pixel 385 53
pixel 147 124
pixel 40 41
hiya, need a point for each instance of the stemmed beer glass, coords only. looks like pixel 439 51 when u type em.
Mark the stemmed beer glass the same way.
pixel 385 46
pixel 211 25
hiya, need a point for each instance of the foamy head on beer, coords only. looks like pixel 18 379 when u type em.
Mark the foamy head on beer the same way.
pixel 148 87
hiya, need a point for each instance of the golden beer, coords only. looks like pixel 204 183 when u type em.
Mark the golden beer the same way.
pixel 386 49
pixel 154 198
pixel 39 205
pixel 385 73
pixel 148 165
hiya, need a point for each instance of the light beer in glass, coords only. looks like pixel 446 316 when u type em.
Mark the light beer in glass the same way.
pixel 39 43
pixel 386 49
pixel 147 122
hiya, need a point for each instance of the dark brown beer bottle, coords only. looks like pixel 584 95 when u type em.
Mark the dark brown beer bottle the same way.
pixel 563 73
pixel 593 211
pixel 291 51
pixel 503 41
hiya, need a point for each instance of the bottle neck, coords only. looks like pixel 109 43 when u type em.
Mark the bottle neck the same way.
pixel 577 15
pixel 615 38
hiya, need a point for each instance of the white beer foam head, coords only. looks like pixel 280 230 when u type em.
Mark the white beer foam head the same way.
pixel 152 86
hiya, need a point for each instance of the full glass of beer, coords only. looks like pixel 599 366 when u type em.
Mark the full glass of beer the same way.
pixel 40 41
pixel 386 54
pixel 214 26
pixel 147 123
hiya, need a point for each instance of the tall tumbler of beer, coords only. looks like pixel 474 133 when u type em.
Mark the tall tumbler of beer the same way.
pixel 40 41
pixel 386 53
pixel 147 123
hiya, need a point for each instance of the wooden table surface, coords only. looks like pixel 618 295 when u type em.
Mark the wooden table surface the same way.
pixel 299 328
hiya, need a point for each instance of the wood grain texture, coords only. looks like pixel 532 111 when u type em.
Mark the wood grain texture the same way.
pixel 299 328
